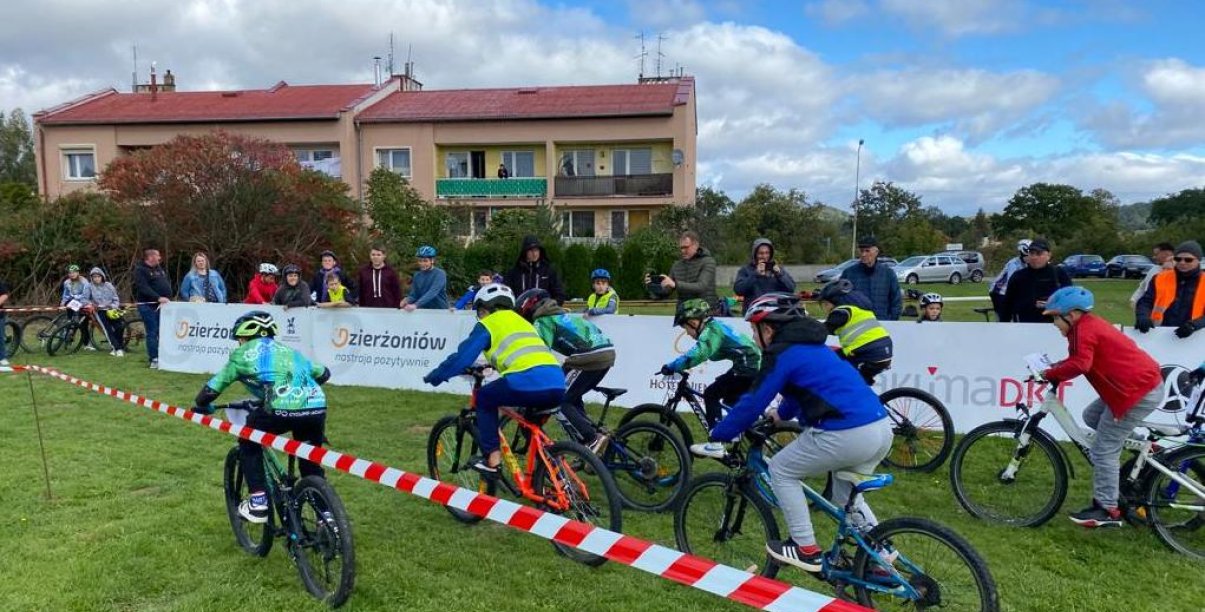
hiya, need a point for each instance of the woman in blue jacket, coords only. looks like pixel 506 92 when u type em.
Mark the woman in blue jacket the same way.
pixel 203 284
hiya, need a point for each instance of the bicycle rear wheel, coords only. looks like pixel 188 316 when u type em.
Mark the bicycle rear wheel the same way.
pixel 66 339
pixel 326 547
pixel 996 479
pixel 650 465
pixel 724 521
pixel 451 443
pixel 924 431
pixel 1177 512
pixel 135 334
pixel 35 333
pixel 944 570
pixel 577 477
pixel 252 538
pixel 663 415
pixel 12 339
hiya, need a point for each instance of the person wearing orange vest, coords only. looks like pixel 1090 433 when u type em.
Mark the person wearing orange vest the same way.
pixel 1176 297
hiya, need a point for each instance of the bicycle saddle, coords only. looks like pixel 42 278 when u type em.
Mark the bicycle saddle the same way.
pixel 610 393
pixel 866 482
pixel 984 310
pixel 1163 429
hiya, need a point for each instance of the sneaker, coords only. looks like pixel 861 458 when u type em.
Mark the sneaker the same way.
pixel 599 444
pixel 4 363
pixel 254 509
pixel 154 364
pixel 486 470
pixel 808 559
pixel 1097 516
pixel 119 353
pixel 89 347
pixel 715 450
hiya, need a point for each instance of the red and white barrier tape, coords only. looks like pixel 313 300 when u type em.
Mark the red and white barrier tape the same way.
pixel 693 571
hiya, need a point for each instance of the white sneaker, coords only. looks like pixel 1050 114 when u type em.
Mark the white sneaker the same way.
pixel 254 509
pixel 112 353
pixel 4 363
pixel 89 347
pixel 119 353
pixel 154 364
pixel 714 450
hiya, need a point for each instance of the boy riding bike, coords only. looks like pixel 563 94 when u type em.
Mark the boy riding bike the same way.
pixel 590 355
pixel 1127 380
pixel 864 342
pixel 715 341
pixel 531 377
pixel 287 383
pixel 846 426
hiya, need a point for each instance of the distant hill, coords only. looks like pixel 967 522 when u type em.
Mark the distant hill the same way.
pixel 837 215
pixel 1133 217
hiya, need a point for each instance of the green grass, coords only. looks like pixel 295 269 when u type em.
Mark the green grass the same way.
pixel 137 522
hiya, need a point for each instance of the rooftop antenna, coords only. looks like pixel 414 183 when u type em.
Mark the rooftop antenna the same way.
pixel 409 62
pixel 660 39
pixel 134 74
pixel 643 53
pixel 391 73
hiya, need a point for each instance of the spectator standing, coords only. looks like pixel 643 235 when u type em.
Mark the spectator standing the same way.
pixel 293 292
pixel 152 289
pixel 328 263
pixel 379 284
pixel 484 278
pixel 692 276
pixel 337 295
pixel 762 274
pixel 999 285
pixel 1025 298
pixel 108 310
pixel 429 285
pixel 533 271
pixel 263 286
pixel 203 284
pixel 875 281
pixel 503 173
pixel 4 321
pixel 1162 256
pixel 1176 297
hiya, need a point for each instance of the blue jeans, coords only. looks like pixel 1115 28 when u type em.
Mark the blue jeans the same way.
pixel 499 393
pixel 149 313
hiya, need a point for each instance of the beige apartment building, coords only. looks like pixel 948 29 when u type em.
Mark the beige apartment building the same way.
pixel 604 156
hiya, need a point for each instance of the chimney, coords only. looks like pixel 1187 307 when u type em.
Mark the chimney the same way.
pixel 154 84
pixel 376 70
pixel 169 81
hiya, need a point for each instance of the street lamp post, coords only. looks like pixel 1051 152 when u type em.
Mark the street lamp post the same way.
pixel 853 248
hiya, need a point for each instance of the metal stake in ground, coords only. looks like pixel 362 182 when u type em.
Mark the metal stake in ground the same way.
pixel 38 424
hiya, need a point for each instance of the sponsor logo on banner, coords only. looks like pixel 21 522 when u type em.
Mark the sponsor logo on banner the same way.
pixel 201 331
pixel 375 342
pixel 970 391
pixel 1176 388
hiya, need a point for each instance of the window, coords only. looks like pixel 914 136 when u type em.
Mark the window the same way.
pixel 79 164
pixel 632 161
pixel 577 163
pixel 577 223
pixel 312 155
pixel 397 160
pixel 619 224
pixel 457 163
pixel 522 164
pixel 481 220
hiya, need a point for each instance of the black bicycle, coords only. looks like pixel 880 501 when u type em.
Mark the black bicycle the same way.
pixel 67 333
pixel 12 339
pixel 306 512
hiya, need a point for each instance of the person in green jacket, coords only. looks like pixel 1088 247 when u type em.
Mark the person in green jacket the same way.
pixel 693 276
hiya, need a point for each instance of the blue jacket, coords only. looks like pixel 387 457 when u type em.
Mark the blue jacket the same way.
pixel 539 378
pixel 466 301
pixel 429 289
pixel 881 286
pixel 817 387
pixel 193 285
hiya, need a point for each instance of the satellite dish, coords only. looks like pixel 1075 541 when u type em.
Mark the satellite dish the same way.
pixel 679 157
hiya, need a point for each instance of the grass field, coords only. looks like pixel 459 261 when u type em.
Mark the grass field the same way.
pixel 137 522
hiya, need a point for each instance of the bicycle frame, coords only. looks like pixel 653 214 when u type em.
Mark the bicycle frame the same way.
pixel 684 392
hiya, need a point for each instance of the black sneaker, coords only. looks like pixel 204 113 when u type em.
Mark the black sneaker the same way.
pixel 487 471
pixel 787 551
pixel 1096 516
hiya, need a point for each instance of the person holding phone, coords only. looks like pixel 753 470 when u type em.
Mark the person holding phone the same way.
pixel 762 274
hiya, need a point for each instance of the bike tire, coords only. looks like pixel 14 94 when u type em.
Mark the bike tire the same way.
pixel 584 478
pixel 447 457
pixel 12 339
pixel 65 339
pixel 1181 529
pixel 924 438
pixel 325 538
pixel 252 538
pixel 650 466
pixel 135 334
pixel 702 524
pixel 996 442
pixel 662 414
pixel 951 590
pixel 35 332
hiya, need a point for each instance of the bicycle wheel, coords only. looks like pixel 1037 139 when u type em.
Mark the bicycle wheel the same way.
pixel 944 569
pixel 577 477
pixel 663 415
pixel 979 471
pixel 12 339
pixel 726 522
pixel 449 447
pixel 66 339
pixel 924 431
pixel 35 332
pixel 98 337
pixel 326 547
pixel 1175 510
pixel 254 539
pixel 135 334
pixel 650 465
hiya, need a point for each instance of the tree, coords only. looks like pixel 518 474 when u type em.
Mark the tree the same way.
pixel 630 280
pixel 1185 205
pixel 1055 212
pixel 401 218
pixel 605 257
pixel 778 216
pixel 894 216
pixel 16 149
pixel 575 271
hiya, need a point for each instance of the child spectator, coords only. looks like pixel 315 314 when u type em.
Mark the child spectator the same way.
pixel 484 278
pixel 262 287
pixel 336 293
pixel 931 306
pixel 428 286
pixel 604 300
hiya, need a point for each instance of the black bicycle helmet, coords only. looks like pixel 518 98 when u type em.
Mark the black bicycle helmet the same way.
pixel 833 291
pixel 775 308
pixel 254 324
pixel 292 269
pixel 527 302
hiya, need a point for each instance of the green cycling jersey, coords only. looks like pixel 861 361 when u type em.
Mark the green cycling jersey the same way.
pixel 280 376
pixel 718 342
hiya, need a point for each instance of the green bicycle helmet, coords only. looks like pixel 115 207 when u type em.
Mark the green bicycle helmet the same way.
pixel 692 309
pixel 254 324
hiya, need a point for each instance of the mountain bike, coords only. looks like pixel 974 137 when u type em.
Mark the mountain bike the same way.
pixel 68 332
pixel 12 338
pixel 305 512
pixel 1013 472
pixel 902 562
pixel 563 477
pixel 132 334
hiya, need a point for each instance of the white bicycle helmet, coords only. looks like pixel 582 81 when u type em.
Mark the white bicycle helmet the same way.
pixel 931 298
pixel 1023 246
pixel 494 296
pixel 267 268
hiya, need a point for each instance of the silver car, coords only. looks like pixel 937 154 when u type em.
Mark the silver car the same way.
pixel 931 269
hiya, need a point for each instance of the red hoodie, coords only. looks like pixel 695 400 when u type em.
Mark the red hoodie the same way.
pixel 259 292
pixel 1119 371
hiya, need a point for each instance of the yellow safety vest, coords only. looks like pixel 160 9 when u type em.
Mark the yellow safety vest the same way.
pixel 861 329
pixel 595 300
pixel 514 344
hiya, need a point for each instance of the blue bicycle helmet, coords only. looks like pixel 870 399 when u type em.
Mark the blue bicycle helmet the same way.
pixel 600 273
pixel 1065 300
pixel 425 251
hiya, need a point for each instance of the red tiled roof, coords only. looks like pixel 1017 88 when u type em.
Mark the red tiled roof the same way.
pixel 530 103
pixel 281 102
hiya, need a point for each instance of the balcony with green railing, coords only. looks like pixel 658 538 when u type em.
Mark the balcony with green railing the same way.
pixel 527 187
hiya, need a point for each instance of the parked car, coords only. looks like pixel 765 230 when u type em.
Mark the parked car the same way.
pixel 1128 266
pixel 932 269
pixel 834 272
pixel 974 261
pixel 1084 265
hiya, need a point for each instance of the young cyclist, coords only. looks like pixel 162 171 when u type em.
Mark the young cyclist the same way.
pixel 263 286
pixel 288 384
pixel 531 377
pixel 603 300
pixel 1125 377
pixel 715 341
pixel 590 355
pixel 77 288
pixel 846 426
pixel 931 306
pixel 864 342
pixel 428 285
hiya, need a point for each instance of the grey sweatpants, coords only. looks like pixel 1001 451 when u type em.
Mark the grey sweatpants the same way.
pixel 1111 434
pixel 817 452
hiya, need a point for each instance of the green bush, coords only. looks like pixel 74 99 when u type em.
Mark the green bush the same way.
pixel 629 281
pixel 607 258
pixel 575 271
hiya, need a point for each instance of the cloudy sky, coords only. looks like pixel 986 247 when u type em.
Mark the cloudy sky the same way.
pixel 961 101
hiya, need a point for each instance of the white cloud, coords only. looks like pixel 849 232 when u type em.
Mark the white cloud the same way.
pixel 1176 92
pixel 960 17
pixel 833 12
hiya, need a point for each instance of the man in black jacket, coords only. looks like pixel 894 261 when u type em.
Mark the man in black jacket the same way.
pixel 152 289
pixel 533 271
pixel 1028 288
